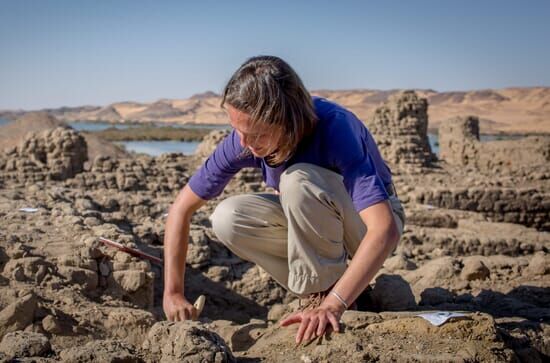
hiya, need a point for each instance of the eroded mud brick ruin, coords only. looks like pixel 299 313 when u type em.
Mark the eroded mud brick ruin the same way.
pixel 476 240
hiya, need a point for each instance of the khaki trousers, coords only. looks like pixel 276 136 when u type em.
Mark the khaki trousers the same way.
pixel 303 236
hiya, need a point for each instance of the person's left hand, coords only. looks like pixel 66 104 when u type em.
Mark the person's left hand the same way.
pixel 315 322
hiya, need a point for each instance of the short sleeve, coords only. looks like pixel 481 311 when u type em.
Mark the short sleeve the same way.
pixel 348 154
pixel 217 170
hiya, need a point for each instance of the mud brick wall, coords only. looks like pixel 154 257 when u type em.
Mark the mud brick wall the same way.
pixel 459 145
pixel 529 207
pixel 400 129
pixel 55 154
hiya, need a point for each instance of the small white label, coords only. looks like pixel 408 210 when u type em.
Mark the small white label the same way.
pixel 438 318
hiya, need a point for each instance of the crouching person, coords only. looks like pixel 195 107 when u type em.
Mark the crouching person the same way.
pixel 335 200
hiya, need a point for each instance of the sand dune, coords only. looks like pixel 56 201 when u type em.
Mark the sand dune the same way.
pixel 509 110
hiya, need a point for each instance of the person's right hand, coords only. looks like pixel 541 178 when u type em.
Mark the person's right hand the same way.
pixel 177 308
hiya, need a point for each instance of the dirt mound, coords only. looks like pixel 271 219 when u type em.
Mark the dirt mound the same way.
pixel 99 147
pixel 390 338
pixel 185 342
pixel 12 134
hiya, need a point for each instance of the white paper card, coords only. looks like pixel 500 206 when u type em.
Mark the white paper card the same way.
pixel 438 318
pixel 28 210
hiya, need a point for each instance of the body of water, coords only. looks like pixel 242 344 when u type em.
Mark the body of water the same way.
pixel 100 126
pixel 434 144
pixel 156 148
pixel 434 140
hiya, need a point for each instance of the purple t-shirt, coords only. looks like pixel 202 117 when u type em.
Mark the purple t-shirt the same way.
pixel 340 142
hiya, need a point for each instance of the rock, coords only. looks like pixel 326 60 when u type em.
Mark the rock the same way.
pixel 186 341
pixel 260 287
pixel 18 314
pixel 539 264
pixel 88 279
pixel 217 273
pixel 399 262
pixel 198 255
pixel 359 320
pixel 83 204
pixel 392 292
pixel 121 256
pixel 22 344
pixel 18 274
pixel 436 296
pixel 51 325
pixel 130 280
pixel 108 351
pixel 77 260
pixel 26 268
pixel 438 272
pixel 132 284
pixel 15 250
pixel 104 269
pixel 277 311
pixel 131 325
pixel 474 269
pixel 246 335
pixel 431 218
pixel 391 337
pixel 91 248
pixel 92 221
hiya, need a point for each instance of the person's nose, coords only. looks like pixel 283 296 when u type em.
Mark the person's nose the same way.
pixel 245 141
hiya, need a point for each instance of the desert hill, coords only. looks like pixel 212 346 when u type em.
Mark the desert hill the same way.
pixel 508 110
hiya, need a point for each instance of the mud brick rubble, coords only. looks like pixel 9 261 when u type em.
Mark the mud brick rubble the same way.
pixel 476 240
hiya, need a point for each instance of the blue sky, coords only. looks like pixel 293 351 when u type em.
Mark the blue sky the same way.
pixel 69 53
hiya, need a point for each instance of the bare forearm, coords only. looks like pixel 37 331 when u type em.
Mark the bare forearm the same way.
pixel 176 237
pixel 368 259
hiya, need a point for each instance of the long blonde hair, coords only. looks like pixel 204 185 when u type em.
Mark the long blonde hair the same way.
pixel 271 93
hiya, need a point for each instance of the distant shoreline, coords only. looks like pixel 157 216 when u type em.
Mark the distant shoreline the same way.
pixel 506 111
pixel 435 131
pixel 152 133
pixel 164 131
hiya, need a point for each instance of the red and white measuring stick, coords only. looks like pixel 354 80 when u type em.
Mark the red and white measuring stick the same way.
pixel 131 251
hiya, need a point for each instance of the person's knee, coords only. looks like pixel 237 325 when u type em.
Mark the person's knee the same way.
pixel 294 180
pixel 223 219
pixel 304 183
